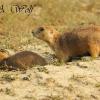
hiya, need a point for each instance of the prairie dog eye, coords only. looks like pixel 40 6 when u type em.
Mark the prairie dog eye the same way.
pixel 41 29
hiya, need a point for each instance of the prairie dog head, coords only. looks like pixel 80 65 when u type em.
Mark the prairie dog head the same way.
pixel 45 33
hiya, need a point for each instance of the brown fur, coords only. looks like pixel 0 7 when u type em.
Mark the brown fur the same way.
pixel 73 43
pixel 3 54
pixel 22 61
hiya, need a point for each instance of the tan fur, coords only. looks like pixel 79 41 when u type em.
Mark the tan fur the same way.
pixel 22 61
pixel 73 43
pixel 3 55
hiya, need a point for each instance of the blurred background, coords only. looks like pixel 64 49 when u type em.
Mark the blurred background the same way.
pixel 16 27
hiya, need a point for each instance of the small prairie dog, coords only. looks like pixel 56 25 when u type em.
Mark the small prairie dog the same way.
pixel 22 61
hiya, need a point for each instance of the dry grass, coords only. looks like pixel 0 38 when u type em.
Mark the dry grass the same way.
pixel 61 14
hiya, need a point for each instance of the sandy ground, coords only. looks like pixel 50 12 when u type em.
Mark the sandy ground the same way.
pixel 77 80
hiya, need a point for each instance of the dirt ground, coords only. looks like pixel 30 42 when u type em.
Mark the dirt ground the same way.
pixel 77 80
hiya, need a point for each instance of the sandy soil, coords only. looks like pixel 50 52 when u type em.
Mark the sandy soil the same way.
pixel 77 80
